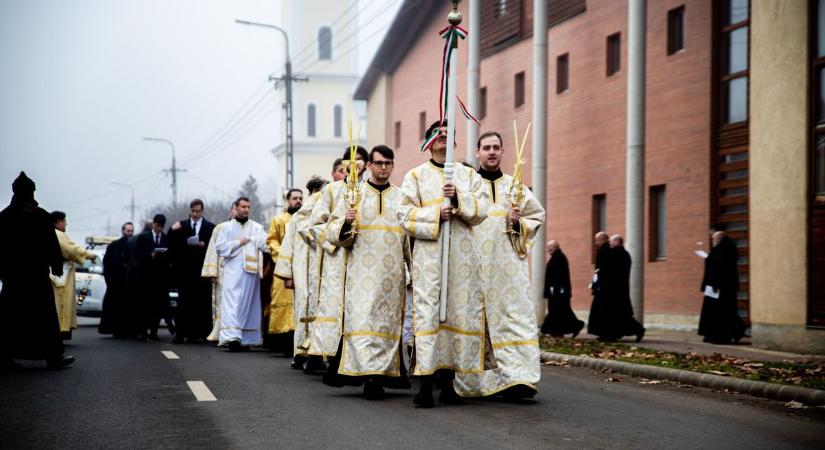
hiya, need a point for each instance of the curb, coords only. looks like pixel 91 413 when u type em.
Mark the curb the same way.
pixel 781 392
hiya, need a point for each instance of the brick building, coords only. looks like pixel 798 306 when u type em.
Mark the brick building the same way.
pixel 698 138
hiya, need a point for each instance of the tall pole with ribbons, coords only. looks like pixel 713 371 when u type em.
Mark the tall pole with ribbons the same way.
pixel 448 91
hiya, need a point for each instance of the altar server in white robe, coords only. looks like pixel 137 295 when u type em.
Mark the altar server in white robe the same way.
pixel 509 312
pixel 213 270
pixel 375 281
pixel 457 345
pixel 240 243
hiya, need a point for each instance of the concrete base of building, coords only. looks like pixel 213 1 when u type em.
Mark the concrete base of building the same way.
pixel 788 338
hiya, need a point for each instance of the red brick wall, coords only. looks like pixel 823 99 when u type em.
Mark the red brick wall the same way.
pixel 586 132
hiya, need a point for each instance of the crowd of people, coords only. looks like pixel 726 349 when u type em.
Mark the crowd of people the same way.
pixel 352 281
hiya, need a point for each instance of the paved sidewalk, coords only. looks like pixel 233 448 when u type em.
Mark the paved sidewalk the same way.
pixel 685 342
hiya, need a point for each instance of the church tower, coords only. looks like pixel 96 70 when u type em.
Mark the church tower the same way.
pixel 324 47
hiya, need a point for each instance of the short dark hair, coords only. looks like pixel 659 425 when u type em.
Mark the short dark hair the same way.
pixel 336 163
pixel 123 227
pixel 195 203
pixel 487 134
pixel 290 191
pixel 382 150
pixel 361 152
pixel 435 125
pixel 315 184
pixel 57 215
pixel 242 199
pixel 159 219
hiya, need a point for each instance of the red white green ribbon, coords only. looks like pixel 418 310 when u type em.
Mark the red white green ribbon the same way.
pixel 451 34
pixel 429 142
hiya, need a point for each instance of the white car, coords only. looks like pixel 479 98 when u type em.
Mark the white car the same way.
pixel 90 286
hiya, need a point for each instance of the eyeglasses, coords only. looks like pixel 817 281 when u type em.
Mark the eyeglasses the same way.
pixel 381 163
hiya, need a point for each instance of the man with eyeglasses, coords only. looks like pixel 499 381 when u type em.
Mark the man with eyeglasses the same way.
pixel 375 283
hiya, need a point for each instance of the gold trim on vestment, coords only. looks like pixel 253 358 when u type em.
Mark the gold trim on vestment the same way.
pixel 515 343
pixel 394 337
pixel 435 201
pixel 250 258
pixel 326 319
pixel 448 367
pixel 388 228
pixel 413 213
pixel 497 390
pixel 450 329
pixel 285 257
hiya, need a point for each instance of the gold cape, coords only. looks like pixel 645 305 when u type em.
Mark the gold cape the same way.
pixel 281 314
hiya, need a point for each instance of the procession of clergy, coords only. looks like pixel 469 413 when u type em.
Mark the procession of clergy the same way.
pixel 358 287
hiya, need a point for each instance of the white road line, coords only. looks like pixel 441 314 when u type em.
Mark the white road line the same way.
pixel 202 393
pixel 170 354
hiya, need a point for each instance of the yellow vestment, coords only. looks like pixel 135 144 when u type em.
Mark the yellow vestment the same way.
pixel 64 286
pixel 281 314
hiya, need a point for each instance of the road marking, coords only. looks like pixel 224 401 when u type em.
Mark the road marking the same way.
pixel 170 354
pixel 202 393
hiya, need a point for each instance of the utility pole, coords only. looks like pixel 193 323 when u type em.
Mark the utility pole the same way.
pixel 173 171
pixel 132 202
pixel 287 79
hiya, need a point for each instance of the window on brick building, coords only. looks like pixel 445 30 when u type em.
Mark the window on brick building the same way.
pixel 598 220
pixel 501 8
pixel 562 69
pixel 657 224
pixel 311 120
pixel 422 124
pixel 676 30
pixel 482 103
pixel 397 135
pixel 519 89
pixel 614 53
pixel 734 55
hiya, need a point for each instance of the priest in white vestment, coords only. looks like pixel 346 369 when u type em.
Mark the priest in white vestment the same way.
pixel 240 242
pixel 213 270
pixel 509 312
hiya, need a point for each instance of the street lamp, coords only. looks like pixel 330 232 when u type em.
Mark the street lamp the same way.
pixel 174 170
pixel 288 83
pixel 108 220
pixel 132 203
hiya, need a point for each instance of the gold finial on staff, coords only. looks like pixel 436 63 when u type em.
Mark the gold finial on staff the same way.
pixel 454 17
pixel 515 194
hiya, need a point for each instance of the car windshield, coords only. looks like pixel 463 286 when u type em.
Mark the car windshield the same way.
pixel 93 267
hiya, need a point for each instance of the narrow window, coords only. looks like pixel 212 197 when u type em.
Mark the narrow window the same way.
pixel 325 43
pixel 734 55
pixel 397 135
pixel 657 224
pixel 675 30
pixel 598 220
pixel 519 89
pixel 311 120
pixel 614 53
pixel 422 124
pixel 337 120
pixel 482 103
pixel 561 73
pixel 502 8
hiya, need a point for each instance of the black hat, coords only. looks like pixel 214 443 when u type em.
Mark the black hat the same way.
pixel 23 184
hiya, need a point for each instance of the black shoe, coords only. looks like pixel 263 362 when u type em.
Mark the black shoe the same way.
pixel 66 335
pixel 518 392
pixel 449 397
pixel 234 346
pixel 314 364
pixel 579 330
pixel 373 390
pixel 59 362
pixel 178 340
pixel 641 335
pixel 424 398
pixel 298 362
pixel 332 380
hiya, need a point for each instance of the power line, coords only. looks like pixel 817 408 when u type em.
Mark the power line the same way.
pixel 223 127
pixel 217 143
pixel 229 144
pixel 104 194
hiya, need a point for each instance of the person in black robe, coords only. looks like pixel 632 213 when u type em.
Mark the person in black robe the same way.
pixel 152 261
pixel 30 251
pixel 719 322
pixel 560 318
pixel 188 239
pixel 611 316
pixel 117 314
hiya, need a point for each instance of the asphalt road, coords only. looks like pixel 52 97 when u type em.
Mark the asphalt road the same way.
pixel 127 394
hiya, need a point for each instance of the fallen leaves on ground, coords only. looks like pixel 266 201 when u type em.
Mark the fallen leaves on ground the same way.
pixel 614 379
pixel 801 373
pixel 795 405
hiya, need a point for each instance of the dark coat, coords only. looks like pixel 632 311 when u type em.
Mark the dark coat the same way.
pixel 557 277
pixel 30 244
pixel 117 317
pixel 611 315
pixel 560 319
pixel 193 316
pixel 719 321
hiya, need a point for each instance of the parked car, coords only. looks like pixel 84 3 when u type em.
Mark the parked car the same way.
pixel 90 286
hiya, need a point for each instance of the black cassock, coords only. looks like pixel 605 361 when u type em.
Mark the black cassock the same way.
pixel 193 316
pixel 30 248
pixel 118 317
pixel 560 318
pixel 720 321
pixel 152 269
pixel 611 316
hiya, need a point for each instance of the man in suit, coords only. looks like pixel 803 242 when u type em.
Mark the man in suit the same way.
pixel 188 239
pixel 152 260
